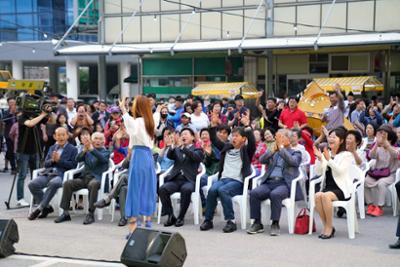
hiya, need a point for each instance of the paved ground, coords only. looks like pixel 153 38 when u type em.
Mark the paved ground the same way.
pixel 104 240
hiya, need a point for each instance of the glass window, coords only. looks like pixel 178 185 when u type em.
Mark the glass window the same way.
pixel 25 34
pixel 7 21
pixel 25 20
pixel 319 63
pixel 7 6
pixel 340 63
pixel 24 6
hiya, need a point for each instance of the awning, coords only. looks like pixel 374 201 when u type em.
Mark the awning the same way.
pixel 248 44
pixel 351 84
pixel 226 89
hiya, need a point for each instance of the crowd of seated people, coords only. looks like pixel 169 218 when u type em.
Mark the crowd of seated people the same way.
pixel 228 136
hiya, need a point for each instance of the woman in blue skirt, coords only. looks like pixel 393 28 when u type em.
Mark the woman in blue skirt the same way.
pixel 142 183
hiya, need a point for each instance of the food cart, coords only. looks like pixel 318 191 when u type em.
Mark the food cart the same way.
pixel 315 98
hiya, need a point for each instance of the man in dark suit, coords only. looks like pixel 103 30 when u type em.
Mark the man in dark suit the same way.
pixel 282 167
pixel 235 166
pixel 60 158
pixel 101 116
pixel 397 244
pixel 95 158
pixel 182 177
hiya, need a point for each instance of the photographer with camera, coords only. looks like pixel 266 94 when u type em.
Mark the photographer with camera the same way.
pixel 29 146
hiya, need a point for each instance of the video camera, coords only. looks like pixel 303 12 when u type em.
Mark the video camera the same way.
pixel 35 104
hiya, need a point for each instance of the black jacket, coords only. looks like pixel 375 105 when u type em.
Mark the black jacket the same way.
pixel 246 152
pixel 187 162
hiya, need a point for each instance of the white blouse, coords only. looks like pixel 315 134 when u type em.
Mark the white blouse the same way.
pixel 137 130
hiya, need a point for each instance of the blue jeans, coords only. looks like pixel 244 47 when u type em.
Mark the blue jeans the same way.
pixel 23 161
pixel 224 189
pixel 203 182
pixel 37 185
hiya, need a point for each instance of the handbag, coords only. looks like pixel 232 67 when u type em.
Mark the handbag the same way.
pixel 379 173
pixel 302 223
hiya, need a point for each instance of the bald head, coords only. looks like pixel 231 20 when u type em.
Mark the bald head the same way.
pixel 61 136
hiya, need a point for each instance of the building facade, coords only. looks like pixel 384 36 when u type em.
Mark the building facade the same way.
pixel 280 70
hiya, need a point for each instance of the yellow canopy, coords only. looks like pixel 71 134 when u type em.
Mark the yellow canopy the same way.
pixel 351 84
pixel 226 89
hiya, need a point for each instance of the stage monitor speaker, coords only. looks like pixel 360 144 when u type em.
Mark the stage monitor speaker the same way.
pixel 151 248
pixel 8 236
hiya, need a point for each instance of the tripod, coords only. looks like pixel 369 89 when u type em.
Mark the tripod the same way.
pixel 39 151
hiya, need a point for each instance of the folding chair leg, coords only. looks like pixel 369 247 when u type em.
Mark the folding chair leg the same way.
pixel 159 212
pixel 361 204
pixel 310 224
pixel 196 210
pixel 394 200
pixel 30 205
pixel 243 215
pixel 112 207
pixel 351 221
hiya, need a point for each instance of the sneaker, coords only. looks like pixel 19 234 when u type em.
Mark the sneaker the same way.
pixel 22 203
pixel 275 230
pixel 89 219
pixel 256 228
pixel 206 225
pixel 229 227
pixel 377 212
pixel 370 209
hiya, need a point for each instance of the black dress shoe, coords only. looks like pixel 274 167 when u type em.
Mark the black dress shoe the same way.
pixel 229 227
pixel 171 221
pixel 89 219
pixel 62 218
pixel 34 214
pixel 102 203
pixel 46 211
pixel 122 222
pixel 179 222
pixel 206 225
pixel 395 245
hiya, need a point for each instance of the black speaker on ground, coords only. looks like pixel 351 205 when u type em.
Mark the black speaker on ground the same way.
pixel 8 236
pixel 152 248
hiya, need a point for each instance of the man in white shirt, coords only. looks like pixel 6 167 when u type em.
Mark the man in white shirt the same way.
pixel 294 143
pixel 71 111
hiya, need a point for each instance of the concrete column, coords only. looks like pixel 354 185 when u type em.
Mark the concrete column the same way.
pixel 17 69
pixel 250 70
pixel 102 76
pixel 124 72
pixel 53 77
pixel 268 74
pixel 72 71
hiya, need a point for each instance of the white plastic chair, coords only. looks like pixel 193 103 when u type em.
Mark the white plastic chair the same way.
pixel 360 190
pixel 393 193
pixel 241 200
pixel 195 198
pixel 289 203
pixel 85 192
pixel 349 205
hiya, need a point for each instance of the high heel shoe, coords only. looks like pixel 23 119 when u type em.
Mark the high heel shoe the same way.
pixel 329 236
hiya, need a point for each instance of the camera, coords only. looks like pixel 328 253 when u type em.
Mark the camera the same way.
pixel 35 104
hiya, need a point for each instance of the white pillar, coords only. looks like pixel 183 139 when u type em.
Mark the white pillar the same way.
pixel 72 69
pixel 17 69
pixel 125 72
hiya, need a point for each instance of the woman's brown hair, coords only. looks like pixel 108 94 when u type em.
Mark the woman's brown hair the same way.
pixel 141 108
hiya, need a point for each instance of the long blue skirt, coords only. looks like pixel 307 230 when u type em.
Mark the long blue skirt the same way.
pixel 142 183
